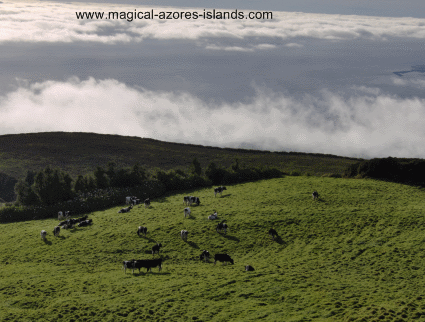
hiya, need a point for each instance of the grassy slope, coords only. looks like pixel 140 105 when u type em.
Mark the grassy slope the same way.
pixel 357 253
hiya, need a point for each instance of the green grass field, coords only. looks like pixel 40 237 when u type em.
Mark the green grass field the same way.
pixel 356 254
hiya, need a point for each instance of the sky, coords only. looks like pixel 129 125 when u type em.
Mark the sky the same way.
pixel 338 77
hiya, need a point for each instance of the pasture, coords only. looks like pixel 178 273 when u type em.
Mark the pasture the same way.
pixel 356 254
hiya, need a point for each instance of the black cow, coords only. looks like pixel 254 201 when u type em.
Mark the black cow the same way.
pixel 205 255
pixel 222 227
pixel 273 233
pixel 147 203
pixel 148 263
pixel 156 248
pixel 128 264
pixel 194 200
pixel 219 190
pixel 56 231
pixel 222 258
pixel 142 230
pixel 85 223
pixel 315 195
pixel 249 268
pixel 124 210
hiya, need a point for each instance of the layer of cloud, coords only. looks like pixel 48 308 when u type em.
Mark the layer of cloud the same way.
pixel 36 21
pixel 369 123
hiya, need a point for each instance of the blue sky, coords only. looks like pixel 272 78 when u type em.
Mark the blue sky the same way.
pixel 321 76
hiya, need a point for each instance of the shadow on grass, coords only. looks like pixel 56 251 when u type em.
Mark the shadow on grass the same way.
pixel 231 237
pixel 192 244
pixel 225 196
pixel 47 242
pixel 279 240
pixel 150 273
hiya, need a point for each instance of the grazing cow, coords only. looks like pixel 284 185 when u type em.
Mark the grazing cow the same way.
pixel 56 231
pixel 194 200
pixel 142 230
pixel 43 234
pixel 156 248
pixel 127 200
pixel 67 225
pixel 219 190
pixel 124 210
pixel 184 234
pixel 85 223
pixel 148 263
pixel 222 227
pixel 213 216
pixel 81 219
pixel 186 212
pixel 147 203
pixel 315 195
pixel 222 258
pixel 60 215
pixel 128 264
pixel 273 233
pixel 186 200
pixel 205 255
pixel 249 268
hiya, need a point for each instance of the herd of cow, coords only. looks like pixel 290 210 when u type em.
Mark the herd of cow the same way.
pixel 149 263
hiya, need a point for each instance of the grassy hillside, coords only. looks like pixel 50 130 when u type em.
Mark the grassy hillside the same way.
pixel 356 254
pixel 80 153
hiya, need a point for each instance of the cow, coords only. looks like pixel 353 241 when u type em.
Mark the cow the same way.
pixel 81 219
pixel 124 210
pixel 213 216
pixel 128 264
pixel 222 227
pixel 194 200
pixel 128 200
pixel 135 201
pixel 43 234
pixel 56 231
pixel 223 258
pixel 184 234
pixel 219 190
pixel 315 195
pixel 67 214
pixel 249 268
pixel 147 203
pixel 186 200
pixel 156 248
pixel 148 263
pixel 142 231
pixel 186 212
pixel 273 233
pixel 60 215
pixel 205 255
pixel 85 223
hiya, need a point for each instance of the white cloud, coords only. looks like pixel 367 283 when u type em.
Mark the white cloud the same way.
pixel 37 21
pixel 368 123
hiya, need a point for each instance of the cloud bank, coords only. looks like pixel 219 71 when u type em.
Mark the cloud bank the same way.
pixel 51 22
pixel 368 124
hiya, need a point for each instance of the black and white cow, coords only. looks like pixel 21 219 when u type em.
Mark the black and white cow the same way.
pixel 205 255
pixel 124 210
pixel 222 227
pixel 85 223
pixel 249 268
pixel 186 212
pixel 184 234
pixel 147 203
pixel 315 195
pixel 43 234
pixel 186 200
pixel 142 231
pixel 193 200
pixel 56 231
pixel 156 248
pixel 214 216
pixel 222 258
pixel 273 233
pixel 60 215
pixel 219 190
pixel 128 264
pixel 148 264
